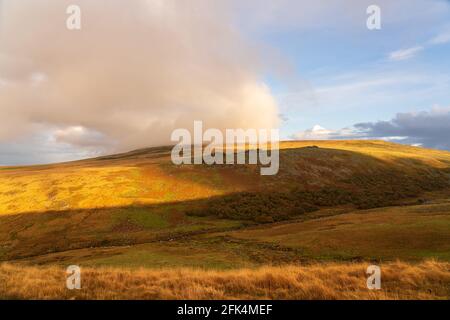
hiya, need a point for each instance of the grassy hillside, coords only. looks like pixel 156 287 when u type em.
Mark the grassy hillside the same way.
pixel 141 197
pixel 147 177
pixel 410 232
pixel 341 201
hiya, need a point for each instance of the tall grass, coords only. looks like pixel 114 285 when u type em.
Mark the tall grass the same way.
pixel 427 280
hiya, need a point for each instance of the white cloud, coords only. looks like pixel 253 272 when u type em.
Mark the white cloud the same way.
pixel 405 54
pixel 427 128
pixel 369 89
pixel 165 63
pixel 41 148
pixel 133 79
pixel 336 14
pixel 38 78
pixel 441 38
pixel 315 133
pixel 80 136
pixel 319 133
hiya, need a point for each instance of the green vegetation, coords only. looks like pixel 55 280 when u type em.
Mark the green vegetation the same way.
pixel 138 209
pixel 141 217
pixel 364 192
pixel 408 232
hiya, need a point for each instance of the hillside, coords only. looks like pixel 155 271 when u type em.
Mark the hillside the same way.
pixel 140 198
pixel 335 205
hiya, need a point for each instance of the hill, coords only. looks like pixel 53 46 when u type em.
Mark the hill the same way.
pixel 341 201
pixel 141 196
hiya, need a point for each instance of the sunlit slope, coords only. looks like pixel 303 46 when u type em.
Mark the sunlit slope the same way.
pixel 102 184
pixel 386 151
pixel 147 176
pixel 140 197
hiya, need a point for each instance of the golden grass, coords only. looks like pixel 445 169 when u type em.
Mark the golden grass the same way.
pixel 129 181
pixel 59 189
pixel 427 280
pixel 378 149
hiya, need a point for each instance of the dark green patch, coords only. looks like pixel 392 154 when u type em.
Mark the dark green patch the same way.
pixel 141 216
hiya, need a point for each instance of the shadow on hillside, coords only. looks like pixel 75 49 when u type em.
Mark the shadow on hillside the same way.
pixel 346 178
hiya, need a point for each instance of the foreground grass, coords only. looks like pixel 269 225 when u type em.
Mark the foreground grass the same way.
pixel 409 233
pixel 427 280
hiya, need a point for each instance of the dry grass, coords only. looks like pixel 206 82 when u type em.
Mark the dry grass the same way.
pixel 141 197
pixel 132 179
pixel 427 280
pixel 104 186
pixel 411 233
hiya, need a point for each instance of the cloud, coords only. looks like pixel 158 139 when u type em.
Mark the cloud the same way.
pixel 427 128
pixel 441 38
pixel 319 133
pixel 136 72
pixel 374 91
pixel 131 75
pixel 315 133
pixel 349 15
pixel 80 136
pixel 405 54
pixel 41 148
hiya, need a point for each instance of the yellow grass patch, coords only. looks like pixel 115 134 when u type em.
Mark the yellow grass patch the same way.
pixel 381 150
pixel 94 187
pixel 427 280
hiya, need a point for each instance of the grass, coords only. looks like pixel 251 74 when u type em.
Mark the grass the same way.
pixel 167 255
pixel 90 187
pixel 116 214
pixel 427 280
pixel 407 232
pixel 141 217
pixel 35 234
pixel 136 180
pixel 411 233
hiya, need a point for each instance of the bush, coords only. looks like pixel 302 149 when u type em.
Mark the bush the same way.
pixel 362 191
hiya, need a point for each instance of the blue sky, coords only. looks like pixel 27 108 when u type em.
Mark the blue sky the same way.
pixel 348 76
pixel 121 84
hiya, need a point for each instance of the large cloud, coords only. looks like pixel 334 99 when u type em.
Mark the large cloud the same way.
pixel 132 74
pixel 140 68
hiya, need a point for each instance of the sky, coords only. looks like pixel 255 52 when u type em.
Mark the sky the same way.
pixel 133 73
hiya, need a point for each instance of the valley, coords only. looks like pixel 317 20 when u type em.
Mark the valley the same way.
pixel 333 202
